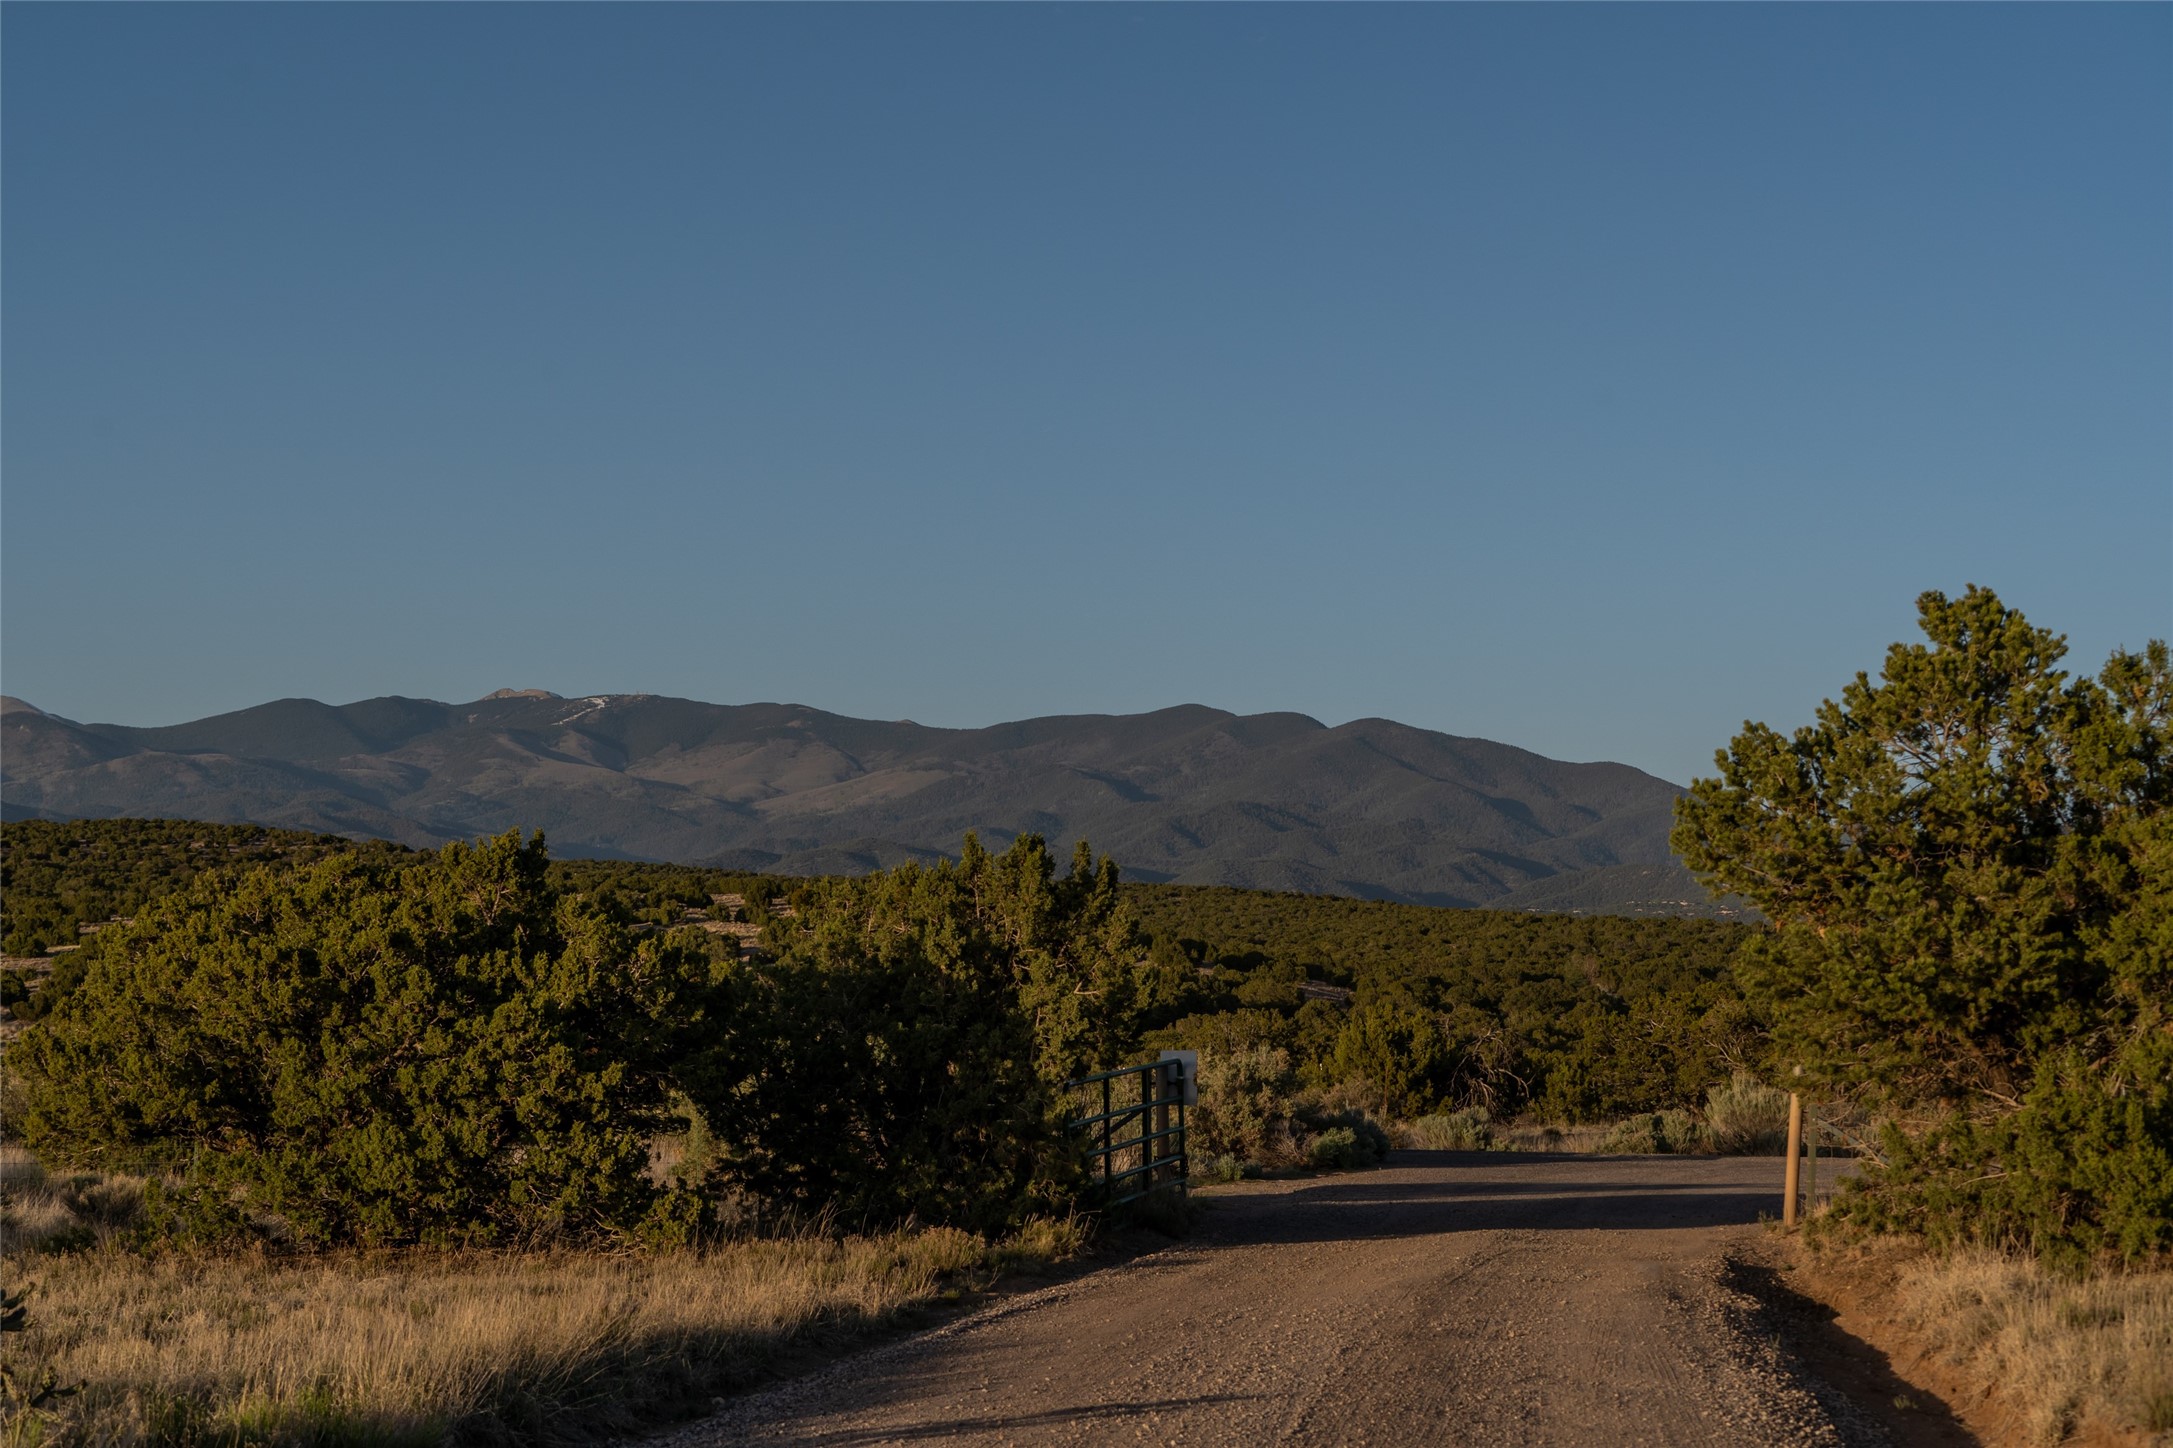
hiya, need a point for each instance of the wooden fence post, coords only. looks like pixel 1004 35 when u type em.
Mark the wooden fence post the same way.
pixel 1795 1151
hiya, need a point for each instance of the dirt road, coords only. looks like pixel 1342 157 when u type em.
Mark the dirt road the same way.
pixel 1448 1298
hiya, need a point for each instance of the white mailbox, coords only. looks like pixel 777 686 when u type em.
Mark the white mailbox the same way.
pixel 1188 1072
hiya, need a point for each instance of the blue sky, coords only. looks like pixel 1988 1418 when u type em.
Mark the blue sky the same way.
pixel 1590 379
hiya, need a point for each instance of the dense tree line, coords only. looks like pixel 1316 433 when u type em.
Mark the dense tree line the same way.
pixel 642 892
pixel 1575 1018
pixel 1569 1017
pixel 56 876
pixel 59 875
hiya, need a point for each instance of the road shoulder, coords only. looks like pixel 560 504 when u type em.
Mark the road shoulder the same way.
pixel 1842 1306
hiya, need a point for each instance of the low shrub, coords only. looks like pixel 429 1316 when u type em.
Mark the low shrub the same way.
pixel 1219 1170
pixel 1247 1106
pixel 1346 1142
pixel 1656 1133
pixel 1337 1149
pixel 1637 1136
pixel 1373 1140
pixel 1041 1242
pixel 1552 1137
pixel 19 1170
pixel 1747 1119
pixel 1471 1129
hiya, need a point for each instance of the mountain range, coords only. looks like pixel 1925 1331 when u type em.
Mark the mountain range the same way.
pixel 1190 794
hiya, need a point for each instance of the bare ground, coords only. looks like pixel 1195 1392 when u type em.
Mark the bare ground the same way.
pixel 1448 1298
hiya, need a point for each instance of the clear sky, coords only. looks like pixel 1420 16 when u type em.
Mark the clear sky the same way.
pixel 1586 378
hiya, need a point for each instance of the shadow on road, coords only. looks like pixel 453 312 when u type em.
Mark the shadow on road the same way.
pixel 1428 1193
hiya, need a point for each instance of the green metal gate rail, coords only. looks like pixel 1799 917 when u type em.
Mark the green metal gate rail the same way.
pixel 1153 1160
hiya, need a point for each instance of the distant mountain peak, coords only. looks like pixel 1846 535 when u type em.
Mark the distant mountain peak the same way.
pixel 520 694
pixel 9 704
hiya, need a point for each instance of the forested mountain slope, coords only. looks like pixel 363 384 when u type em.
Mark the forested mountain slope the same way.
pixel 1190 794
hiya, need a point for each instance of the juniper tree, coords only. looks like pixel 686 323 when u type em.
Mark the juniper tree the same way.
pixel 1964 871
pixel 374 1048
pixel 898 1057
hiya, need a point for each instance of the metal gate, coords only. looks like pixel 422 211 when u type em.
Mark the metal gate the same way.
pixel 1123 1167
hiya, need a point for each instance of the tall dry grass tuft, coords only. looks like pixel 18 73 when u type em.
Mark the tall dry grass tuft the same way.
pixel 2061 1350
pixel 41 1213
pixel 1532 1137
pixel 417 1348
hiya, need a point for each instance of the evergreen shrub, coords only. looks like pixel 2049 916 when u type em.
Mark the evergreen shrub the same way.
pixel 1470 1129
pixel 901 1056
pixel 1656 1133
pixel 1369 1142
pixel 1247 1105
pixel 1966 870
pixel 1747 1118
pixel 1338 1149
pixel 369 1048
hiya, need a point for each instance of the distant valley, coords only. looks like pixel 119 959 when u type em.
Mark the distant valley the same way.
pixel 1190 795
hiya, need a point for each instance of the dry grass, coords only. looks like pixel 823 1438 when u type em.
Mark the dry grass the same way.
pixel 1582 1139
pixel 1741 1118
pixel 41 1213
pixel 430 1348
pixel 2060 1351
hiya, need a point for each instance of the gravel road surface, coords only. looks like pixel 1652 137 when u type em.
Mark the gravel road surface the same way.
pixel 1446 1298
